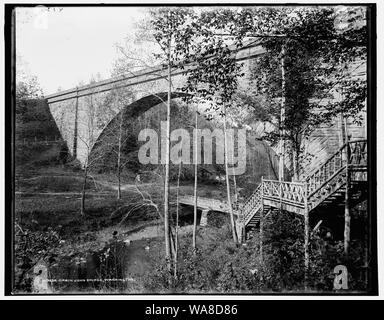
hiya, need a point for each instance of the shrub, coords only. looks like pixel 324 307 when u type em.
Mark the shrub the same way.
pixel 217 266
pixel 30 248
pixel 220 266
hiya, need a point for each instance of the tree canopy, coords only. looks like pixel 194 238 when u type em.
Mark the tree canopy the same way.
pixel 322 48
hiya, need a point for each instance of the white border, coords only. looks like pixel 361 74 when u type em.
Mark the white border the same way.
pixel 380 171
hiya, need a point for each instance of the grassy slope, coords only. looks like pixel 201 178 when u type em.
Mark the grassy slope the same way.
pixel 39 171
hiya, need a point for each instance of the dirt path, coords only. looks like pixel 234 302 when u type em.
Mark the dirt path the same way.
pixel 61 193
pixel 106 184
pixel 156 231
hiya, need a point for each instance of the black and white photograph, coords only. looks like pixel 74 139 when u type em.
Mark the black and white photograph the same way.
pixel 192 149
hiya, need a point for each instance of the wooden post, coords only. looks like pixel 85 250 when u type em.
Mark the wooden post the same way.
pixel 347 216
pixel 76 125
pixel 306 237
pixel 204 218
pixel 261 232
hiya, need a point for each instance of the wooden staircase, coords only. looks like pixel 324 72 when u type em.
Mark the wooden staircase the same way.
pixel 324 188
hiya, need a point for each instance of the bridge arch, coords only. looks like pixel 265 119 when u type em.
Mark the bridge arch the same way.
pixel 261 159
pixel 134 110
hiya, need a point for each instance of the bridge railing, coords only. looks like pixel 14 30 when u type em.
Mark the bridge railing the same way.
pixel 293 193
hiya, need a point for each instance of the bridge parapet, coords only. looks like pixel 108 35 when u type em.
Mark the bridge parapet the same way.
pixel 149 74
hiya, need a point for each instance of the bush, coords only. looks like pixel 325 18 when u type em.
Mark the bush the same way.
pixel 284 257
pixel 217 266
pixel 30 248
pixel 221 266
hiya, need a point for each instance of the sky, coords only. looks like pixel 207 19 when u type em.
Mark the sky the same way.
pixel 65 47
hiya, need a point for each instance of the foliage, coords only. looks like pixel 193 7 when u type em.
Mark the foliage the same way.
pixel 316 53
pixel 322 47
pixel 112 263
pixel 172 31
pixel 325 255
pixel 283 245
pixel 203 271
pixel 27 84
pixel 221 266
pixel 31 248
pixel 283 268
pixel 28 89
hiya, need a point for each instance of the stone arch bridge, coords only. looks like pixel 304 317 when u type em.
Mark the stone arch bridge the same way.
pixel 81 126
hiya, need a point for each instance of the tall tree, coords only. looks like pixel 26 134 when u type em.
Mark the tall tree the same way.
pixel 86 133
pixel 195 187
pixel 171 33
pixel 214 79
pixel 117 138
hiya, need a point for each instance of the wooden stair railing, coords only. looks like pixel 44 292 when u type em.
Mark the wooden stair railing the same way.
pixel 251 206
pixel 292 193
pixel 332 175
pixel 315 189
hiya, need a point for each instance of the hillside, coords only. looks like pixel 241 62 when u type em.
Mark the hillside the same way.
pixel 37 138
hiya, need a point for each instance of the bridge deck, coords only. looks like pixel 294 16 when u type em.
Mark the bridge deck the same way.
pixel 205 203
pixel 149 74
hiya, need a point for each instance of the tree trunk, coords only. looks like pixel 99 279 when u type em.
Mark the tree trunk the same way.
pixel 282 116
pixel 234 183
pixel 347 215
pixel 172 245
pixel 195 192
pixel 74 148
pixel 296 155
pixel 234 235
pixel 119 159
pixel 118 181
pixel 295 162
pixel 82 209
pixel 177 225
pixel 306 247
pixel 168 253
pixel 347 219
